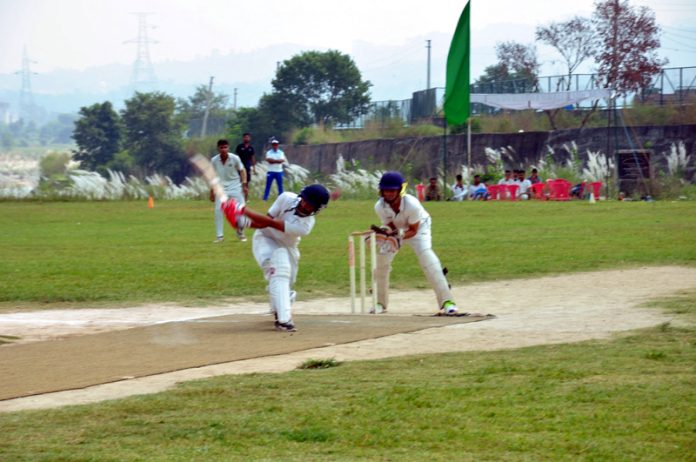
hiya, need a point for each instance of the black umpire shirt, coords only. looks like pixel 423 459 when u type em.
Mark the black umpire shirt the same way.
pixel 246 153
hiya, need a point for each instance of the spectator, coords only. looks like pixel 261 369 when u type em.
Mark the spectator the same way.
pixel 275 158
pixel 478 190
pixel 577 191
pixel 534 177
pixel 432 192
pixel 507 179
pixel 459 190
pixel 525 186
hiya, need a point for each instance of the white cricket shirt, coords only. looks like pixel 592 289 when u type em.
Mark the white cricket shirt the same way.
pixel 410 212
pixel 295 225
pixel 275 155
pixel 229 173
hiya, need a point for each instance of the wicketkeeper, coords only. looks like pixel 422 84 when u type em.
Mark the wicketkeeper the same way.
pixel 276 240
pixel 404 220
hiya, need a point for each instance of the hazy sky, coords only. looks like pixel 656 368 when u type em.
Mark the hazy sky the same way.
pixel 77 34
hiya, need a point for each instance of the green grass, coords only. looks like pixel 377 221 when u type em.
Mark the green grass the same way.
pixel 114 253
pixel 631 398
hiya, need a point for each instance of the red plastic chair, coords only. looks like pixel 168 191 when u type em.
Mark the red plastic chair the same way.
pixel 511 191
pixel 493 191
pixel 563 190
pixel 596 187
pixel 559 189
pixel 538 191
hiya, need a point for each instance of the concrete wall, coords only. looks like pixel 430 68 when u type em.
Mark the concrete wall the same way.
pixel 421 157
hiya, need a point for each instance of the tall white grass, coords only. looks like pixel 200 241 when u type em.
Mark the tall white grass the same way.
pixel 598 168
pixel 354 182
pixel 18 176
pixel 92 186
pixel 294 179
pixel 677 159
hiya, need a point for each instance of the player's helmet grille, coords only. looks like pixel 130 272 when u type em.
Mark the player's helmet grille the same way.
pixel 391 181
pixel 317 195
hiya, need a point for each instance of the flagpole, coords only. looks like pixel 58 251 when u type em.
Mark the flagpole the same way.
pixel 457 87
pixel 468 150
pixel 444 158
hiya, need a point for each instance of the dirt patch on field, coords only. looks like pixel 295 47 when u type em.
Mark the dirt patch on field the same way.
pixel 558 309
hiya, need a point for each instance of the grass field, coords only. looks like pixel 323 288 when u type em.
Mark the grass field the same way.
pixel 629 398
pixel 96 253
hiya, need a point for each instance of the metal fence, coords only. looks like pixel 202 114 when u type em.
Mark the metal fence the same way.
pixel 670 86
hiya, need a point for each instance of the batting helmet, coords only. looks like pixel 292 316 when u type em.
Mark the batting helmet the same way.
pixel 393 181
pixel 316 195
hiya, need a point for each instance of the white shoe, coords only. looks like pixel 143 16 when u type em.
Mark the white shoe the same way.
pixel 218 240
pixel 241 237
pixel 378 309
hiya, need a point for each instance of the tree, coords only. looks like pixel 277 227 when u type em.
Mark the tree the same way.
pixel 153 135
pixel 97 134
pixel 192 111
pixel 573 39
pixel 59 130
pixel 627 42
pixel 517 69
pixel 575 42
pixel 320 87
pixel 520 59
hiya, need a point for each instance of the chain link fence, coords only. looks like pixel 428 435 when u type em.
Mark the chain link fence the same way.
pixel 672 86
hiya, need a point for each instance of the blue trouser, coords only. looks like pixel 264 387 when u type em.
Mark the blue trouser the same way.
pixel 270 177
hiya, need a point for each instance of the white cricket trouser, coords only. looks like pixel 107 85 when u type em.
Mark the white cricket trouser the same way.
pixel 421 244
pixel 279 265
pixel 219 216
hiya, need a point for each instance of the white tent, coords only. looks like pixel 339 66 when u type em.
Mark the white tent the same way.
pixel 522 101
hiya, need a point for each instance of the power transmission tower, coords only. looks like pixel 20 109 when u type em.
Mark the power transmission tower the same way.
pixel 26 97
pixel 143 77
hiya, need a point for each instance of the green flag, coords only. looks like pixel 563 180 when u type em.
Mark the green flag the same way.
pixel 457 86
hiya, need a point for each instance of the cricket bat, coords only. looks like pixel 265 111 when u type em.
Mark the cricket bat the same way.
pixel 207 171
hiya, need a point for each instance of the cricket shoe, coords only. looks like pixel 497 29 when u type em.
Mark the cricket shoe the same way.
pixel 448 308
pixel 285 326
pixel 218 240
pixel 241 236
pixel 378 309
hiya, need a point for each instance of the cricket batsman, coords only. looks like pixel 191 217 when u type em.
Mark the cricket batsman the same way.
pixel 275 242
pixel 404 220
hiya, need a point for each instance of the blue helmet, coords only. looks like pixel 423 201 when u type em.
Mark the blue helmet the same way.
pixel 317 195
pixel 391 181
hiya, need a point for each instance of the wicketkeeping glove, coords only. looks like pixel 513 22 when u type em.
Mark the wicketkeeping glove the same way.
pixel 387 244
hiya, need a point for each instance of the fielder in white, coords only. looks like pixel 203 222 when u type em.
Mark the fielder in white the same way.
pixel 232 175
pixel 276 240
pixel 405 220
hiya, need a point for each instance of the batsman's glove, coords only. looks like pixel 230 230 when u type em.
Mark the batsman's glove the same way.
pixel 234 212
